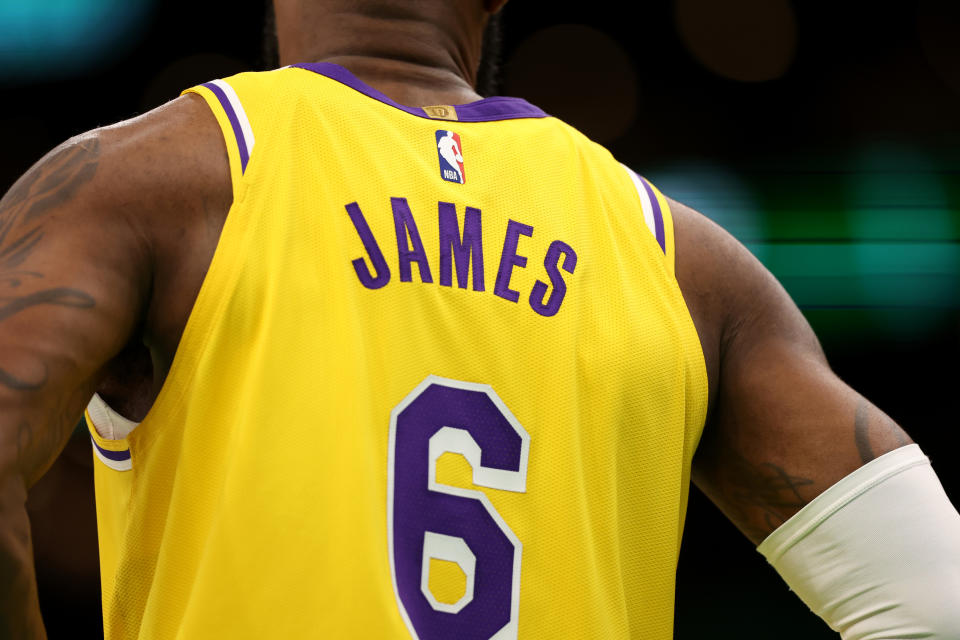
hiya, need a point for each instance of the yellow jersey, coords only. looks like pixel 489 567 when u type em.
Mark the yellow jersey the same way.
pixel 439 382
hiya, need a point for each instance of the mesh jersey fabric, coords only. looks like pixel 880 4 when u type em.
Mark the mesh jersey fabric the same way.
pixel 417 395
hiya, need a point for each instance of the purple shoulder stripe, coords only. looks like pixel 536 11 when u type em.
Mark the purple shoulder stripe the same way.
pixel 657 213
pixel 488 109
pixel 234 122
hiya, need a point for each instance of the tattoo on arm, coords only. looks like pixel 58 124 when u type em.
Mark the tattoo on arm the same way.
pixel 60 296
pixel 759 497
pixel 34 428
pixel 11 381
pixel 53 182
pixel 762 496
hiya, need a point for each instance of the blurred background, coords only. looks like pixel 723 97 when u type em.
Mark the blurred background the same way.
pixel 824 135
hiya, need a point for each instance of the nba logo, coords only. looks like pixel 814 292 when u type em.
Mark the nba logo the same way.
pixel 451 156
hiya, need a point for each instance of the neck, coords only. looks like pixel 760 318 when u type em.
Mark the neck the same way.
pixel 413 59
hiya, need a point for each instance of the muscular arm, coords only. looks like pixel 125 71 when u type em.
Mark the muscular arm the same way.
pixel 782 426
pixel 65 308
pixel 81 234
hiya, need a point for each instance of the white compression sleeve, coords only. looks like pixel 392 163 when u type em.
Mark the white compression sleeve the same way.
pixel 877 555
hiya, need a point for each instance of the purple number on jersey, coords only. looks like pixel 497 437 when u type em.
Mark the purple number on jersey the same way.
pixel 427 520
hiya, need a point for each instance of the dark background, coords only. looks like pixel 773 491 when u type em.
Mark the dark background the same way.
pixel 822 134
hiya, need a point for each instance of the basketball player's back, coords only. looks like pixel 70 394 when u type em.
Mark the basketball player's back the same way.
pixel 422 392
pixel 371 312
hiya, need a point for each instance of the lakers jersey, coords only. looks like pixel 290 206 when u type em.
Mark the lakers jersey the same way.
pixel 439 382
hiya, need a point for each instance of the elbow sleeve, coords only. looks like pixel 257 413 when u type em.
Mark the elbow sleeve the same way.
pixel 877 555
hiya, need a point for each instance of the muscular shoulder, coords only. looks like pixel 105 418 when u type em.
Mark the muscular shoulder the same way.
pixel 120 189
pixel 154 164
pixel 110 189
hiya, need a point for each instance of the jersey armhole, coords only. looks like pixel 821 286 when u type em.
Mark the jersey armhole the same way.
pixel 656 215
pixel 114 452
pixel 234 124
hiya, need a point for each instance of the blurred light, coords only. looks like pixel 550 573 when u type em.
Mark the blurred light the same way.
pixel 906 235
pixel 718 194
pixel 578 74
pixel 187 72
pixel 899 194
pixel 53 38
pixel 872 248
pixel 745 40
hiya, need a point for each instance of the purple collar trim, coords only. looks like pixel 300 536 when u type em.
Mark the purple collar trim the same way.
pixel 496 108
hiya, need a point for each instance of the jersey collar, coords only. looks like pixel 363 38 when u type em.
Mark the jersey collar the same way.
pixel 488 109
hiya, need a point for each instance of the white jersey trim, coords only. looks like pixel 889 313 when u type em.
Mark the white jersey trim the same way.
pixel 109 424
pixel 240 114
pixel 644 200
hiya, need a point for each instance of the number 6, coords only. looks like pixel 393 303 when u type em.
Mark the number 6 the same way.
pixel 427 520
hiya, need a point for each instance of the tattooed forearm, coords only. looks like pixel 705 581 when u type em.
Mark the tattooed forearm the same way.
pixel 77 168
pixel 14 279
pixel 49 337
pixel 17 251
pixel 60 296
pixel 52 182
pixel 759 497
pixel 16 383
pixel 759 494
